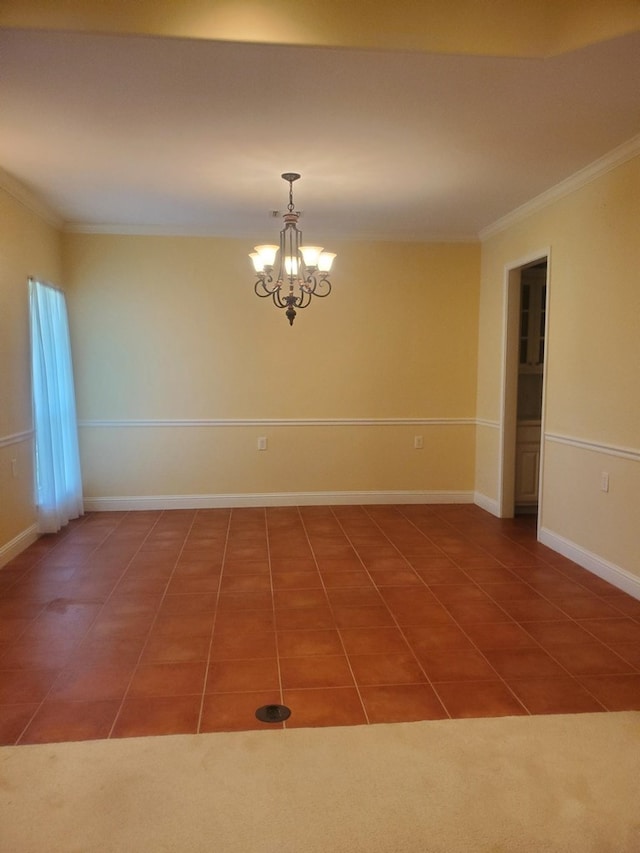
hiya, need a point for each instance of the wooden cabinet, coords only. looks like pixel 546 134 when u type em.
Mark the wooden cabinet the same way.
pixel 533 296
pixel 527 464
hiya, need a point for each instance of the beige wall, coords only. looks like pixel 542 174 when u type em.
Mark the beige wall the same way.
pixel 169 329
pixel 592 409
pixel 28 246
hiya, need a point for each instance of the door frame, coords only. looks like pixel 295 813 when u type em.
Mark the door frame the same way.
pixel 509 383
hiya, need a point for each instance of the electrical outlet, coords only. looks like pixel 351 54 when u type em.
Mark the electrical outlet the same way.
pixel 604 481
pixel 14 467
pixel 262 442
pixel 418 442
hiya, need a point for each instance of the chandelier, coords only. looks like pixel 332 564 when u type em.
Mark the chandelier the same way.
pixel 290 273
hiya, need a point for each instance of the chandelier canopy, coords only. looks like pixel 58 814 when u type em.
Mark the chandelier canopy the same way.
pixel 291 273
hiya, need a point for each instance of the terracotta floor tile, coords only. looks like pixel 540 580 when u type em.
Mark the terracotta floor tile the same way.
pixel 480 699
pixel 490 575
pixel 362 617
pixel 305 643
pixel 379 640
pixel 296 580
pixel 176 625
pixel 318 671
pixel 456 665
pixel 241 583
pixel 462 592
pixel 386 669
pixel 594 659
pixel 627 605
pixel 338 706
pixel 57 721
pixel 187 604
pixel 396 577
pixel 556 590
pixel 245 601
pixel 524 663
pixel 238 645
pixel 536 610
pixel 137 586
pixel 288 598
pixel 13 627
pixel 629 651
pixel 615 692
pixel 185 585
pixel 623 630
pixel 587 606
pixel 342 580
pixel 92 684
pixel 554 696
pixel 355 597
pixel 466 612
pixel 174 678
pixel 293 564
pixel 122 625
pixel 148 716
pixel 563 633
pixel 228 712
pixel 305 618
pixel 27 653
pixel 500 635
pixel 418 614
pixel 139 605
pixel 244 621
pixel 400 596
pixel 237 676
pixel 13 719
pixel 381 564
pixel 115 650
pixel 436 563
pixel 159 648
pixel 439 635
pixel 435 575
pixel 198 569
pixel 401 703
pixel 25 686
pixel 511 591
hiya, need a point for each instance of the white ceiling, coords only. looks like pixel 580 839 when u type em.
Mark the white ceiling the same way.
pixel 191 136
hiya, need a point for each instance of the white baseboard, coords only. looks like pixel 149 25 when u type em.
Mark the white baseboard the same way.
pixel 18 544
pixel 141 502
pixel 486 503
pixel 616 575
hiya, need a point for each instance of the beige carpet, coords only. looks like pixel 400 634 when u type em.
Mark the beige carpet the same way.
pixel 558 783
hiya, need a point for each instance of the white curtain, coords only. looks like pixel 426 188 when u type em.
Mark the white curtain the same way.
pixel 57 463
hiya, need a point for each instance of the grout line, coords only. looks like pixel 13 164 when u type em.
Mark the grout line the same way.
pixel 213 625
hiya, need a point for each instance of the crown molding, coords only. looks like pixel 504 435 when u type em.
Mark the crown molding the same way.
pixel 216 232
pixel 29 199
pixel 627 151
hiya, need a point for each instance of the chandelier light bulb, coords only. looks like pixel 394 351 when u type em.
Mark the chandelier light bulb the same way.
pixel 310 255
pixel 325 261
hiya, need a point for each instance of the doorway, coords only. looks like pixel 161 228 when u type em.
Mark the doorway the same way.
pixel 526 323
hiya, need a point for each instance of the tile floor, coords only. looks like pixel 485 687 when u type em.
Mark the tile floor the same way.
pixel 150 623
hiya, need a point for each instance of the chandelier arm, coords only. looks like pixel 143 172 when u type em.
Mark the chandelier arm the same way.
pixel 279 300
pixel 265 284
pixel 319 287
pixel 304 299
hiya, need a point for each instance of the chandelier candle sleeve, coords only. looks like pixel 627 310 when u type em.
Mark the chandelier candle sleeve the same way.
pixel 291 274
